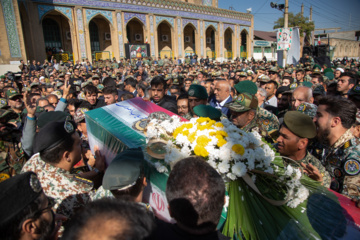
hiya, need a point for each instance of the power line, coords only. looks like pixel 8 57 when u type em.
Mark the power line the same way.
pixel 261 7
pixel 341 22
pixel 324 10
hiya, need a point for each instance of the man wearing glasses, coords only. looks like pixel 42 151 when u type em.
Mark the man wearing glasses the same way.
pixel 25 209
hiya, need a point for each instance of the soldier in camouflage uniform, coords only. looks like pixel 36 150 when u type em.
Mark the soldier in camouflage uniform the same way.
pixel 69 191
pixel 294 136
pixel 246 115
pixel 197 95
pixel 12 157
pixel 341 158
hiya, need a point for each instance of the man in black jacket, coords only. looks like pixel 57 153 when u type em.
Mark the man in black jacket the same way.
pixel 158 90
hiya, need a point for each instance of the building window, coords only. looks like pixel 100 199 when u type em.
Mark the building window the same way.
pixel 267 50
pixel 94 37
pixel 51 32
pixel 257 49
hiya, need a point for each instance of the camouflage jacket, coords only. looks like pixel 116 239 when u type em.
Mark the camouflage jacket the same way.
pixel 309 158
pixel 268 120
pixel 342 161
pixel 12 159
pixel 264 123
pixel 69 191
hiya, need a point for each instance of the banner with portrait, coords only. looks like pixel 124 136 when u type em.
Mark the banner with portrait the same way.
pixel 284 38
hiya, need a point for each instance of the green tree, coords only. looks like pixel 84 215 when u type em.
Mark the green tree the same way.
pixel 296 21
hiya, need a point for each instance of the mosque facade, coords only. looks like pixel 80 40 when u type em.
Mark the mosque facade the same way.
pixel 106 29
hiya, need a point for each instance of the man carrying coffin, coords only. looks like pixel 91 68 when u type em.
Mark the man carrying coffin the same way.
pixel 158 96
pixel 294 136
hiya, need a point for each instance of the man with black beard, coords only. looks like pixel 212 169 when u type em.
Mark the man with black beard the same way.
pixel 26 211
pixel 341 156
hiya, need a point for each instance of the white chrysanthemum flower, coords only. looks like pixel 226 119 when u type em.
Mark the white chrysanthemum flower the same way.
pixel 239 169
pixel 212 164
pixel 231 176
pixel 289 170
pixel 182 140
pixel 223 167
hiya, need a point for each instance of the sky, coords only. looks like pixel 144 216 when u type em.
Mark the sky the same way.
pixel 326 13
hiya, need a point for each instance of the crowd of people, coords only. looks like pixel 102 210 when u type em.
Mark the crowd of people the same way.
pixel 52 185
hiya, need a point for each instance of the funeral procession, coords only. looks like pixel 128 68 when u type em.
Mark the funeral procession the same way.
pixel 179 120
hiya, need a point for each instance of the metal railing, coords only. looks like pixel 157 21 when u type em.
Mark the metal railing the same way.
pixel 167 53
pixel 228 54
pixel 211 54
pixel 103 55
pixel 64 56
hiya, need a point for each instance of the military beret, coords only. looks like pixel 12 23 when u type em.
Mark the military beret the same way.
pixel 243 102
pixel 317 66
pixel 124 170
pixel 207 111
pixel 307 84
pixel 300 124
pixel 47 117
pixel 198 91
pixel 53 134
pixel 246 86
pixel 328 70
pixel 329 75
pixel 17 193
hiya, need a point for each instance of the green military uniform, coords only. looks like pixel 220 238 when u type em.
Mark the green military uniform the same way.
pixel 268 120
pixel 256 126
pixel 342 161
pixel 309 158
pixel 12 157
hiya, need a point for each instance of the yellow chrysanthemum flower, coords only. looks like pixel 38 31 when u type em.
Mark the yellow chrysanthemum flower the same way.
pixel 203 140
pixel 201 151
pixel 191 137
pixel 222 133
pixel 219 124
pixel 221 142
pixel 238 148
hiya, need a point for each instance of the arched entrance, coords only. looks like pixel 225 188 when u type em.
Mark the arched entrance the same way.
pixel 189 40
pixel 243 47
pixel 210 42
pixel 164 40
pixel 228 43
pixel 57 36
pixel 135 31
pixel 100 38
